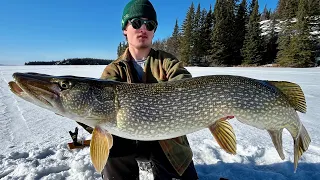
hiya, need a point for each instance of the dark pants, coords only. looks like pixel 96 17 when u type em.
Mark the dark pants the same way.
pixel 122 162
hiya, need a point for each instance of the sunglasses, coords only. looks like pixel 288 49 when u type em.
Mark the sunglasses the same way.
pixel 136 23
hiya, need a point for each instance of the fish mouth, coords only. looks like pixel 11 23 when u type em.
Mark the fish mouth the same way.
pixel 37 87
pixel 15 88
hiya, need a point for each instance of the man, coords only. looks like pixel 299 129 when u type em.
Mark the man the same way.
pixel 171 159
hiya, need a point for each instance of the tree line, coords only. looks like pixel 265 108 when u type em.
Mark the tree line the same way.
pixel 230 34
pixel 72 61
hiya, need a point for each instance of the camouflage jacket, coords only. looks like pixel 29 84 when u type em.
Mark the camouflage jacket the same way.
pixel 159 66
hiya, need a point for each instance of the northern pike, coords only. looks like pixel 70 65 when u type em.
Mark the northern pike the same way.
pixel 167 110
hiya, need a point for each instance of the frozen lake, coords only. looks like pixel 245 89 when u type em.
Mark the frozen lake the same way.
pixel 34 140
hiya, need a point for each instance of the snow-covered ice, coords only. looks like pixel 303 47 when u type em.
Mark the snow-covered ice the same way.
pixel 34 140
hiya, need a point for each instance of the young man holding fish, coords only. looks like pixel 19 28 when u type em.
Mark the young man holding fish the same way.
pixel 159 115
pixel 172 158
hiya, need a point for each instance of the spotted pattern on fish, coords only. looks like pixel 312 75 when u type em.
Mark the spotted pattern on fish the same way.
pixel 171 109
pixel 148 110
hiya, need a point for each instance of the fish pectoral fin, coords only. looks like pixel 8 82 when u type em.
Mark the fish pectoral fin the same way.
pixel 224 134
pixel 301 144
pixel 101 143
pixel 276 137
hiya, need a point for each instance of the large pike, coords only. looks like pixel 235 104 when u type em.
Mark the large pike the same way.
pixel 170 109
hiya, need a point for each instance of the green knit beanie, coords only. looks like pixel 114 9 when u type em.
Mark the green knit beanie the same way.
pixel 138 9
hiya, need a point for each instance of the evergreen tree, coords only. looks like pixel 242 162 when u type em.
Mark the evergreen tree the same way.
pixel 121 48
pixel 265 14
pixel 223 34
pixel 202 30
pixel 160 44
pixel 251 8
pixel 280 9
pixel 284 38
pixel 305 56
pixel 207 32
pixel 240 31
pixel 271 40
pixel 287 9
pixel 252 50
pixel 196 53
pixel 313 8
pixel 313 16
pixel 173 43
pixel 187 37
pixel 292 8
pixel 298 52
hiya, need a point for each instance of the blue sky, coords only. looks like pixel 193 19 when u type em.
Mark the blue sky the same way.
pixel 38 30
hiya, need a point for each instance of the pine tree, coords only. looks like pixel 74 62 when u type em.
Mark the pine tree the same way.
pixel 265 14
pixel 285 36
pixel 287 9
pixel 121 48
pixel 251 8
pixel 280 11
pixel 196 50
pixel 298 49
pixel 292 8
pixel 223 34
pixel 202 30
pixel 313 8
pixel 160 44
pixel 268 14
pixel 252 50
pixel 187 37
pixel 206 22
pixel 271 40
pixel 304 43
pixel 240 31
pixel 313 15
pixel 207 32
pixel 173 43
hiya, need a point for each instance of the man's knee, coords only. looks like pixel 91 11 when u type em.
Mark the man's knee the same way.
pixel 122 168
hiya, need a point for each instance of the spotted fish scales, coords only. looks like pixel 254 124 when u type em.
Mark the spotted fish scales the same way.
pixel 193 104
pixel 170 109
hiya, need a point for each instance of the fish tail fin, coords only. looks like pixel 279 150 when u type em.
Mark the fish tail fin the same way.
pixel 276 137
pixel 301 144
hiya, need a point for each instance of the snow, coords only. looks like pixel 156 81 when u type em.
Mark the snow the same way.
pixel 266 26
pixel 34 140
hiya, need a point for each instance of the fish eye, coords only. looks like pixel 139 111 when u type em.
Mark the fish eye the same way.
pixel 65 84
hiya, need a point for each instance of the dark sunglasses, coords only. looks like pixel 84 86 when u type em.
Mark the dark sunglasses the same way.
pixel 136 23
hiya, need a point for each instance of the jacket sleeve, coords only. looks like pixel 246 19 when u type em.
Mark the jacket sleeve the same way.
pixel 175 70
pixel 112 72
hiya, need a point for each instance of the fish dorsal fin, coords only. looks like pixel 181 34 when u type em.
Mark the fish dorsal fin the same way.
pixel 294 94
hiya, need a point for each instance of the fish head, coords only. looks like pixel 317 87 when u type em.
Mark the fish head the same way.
pixel 80 98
